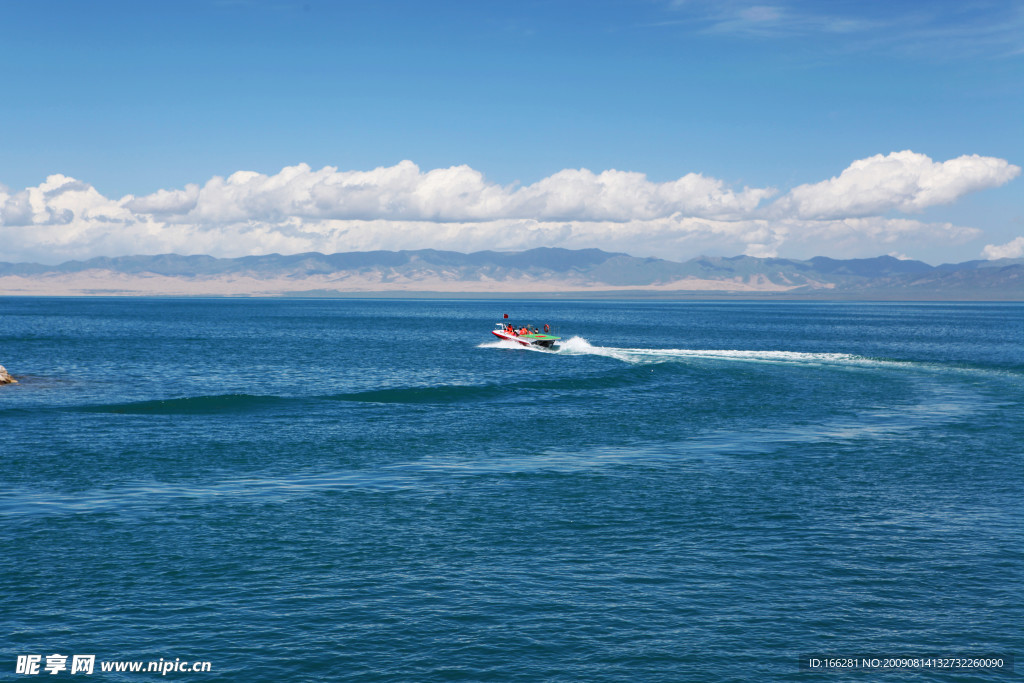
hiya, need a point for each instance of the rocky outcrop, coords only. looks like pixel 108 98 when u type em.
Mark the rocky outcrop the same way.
pixel 5 377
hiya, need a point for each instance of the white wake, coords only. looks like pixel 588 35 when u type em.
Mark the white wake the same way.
pixel 580 346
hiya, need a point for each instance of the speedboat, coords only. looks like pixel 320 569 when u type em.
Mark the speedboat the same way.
pixel 525 335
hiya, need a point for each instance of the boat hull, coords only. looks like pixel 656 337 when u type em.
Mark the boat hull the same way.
pixel 544 341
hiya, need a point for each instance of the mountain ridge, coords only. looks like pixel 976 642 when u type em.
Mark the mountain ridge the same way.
pixel 543 269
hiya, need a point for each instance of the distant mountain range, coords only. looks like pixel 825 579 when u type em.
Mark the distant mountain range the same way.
pixel 548 271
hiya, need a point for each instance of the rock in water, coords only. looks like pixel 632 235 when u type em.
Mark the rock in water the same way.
pixel 5 377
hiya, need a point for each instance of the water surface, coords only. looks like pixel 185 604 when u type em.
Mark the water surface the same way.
pixel 375 490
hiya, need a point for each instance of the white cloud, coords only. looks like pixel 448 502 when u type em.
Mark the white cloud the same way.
pixel 902 181
pixel 460 193
pixel 1012 249
pixel 166 202
pixel 402 207
pixel 16 209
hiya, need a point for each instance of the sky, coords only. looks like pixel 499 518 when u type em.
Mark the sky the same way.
pixel 669 128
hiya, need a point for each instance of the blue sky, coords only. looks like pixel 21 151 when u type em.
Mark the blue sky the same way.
pixel 138 99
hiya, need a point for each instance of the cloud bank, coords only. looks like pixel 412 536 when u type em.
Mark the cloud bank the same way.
pixel 403 207
pixel 1012 249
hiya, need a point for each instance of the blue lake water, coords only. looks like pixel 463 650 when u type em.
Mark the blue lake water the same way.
pixel 302 490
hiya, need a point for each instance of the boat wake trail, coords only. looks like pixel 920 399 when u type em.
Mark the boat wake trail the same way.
pixel 578 346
